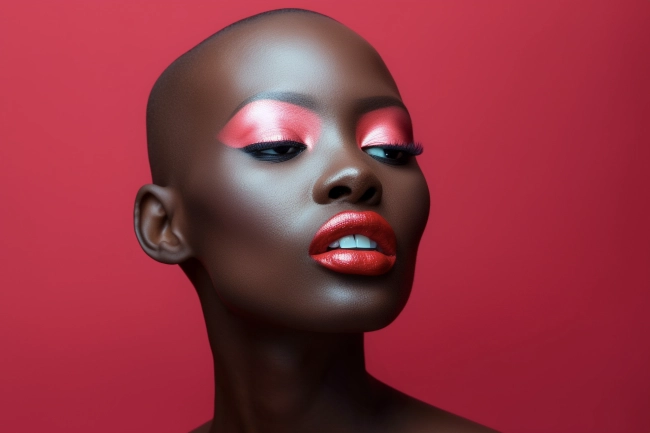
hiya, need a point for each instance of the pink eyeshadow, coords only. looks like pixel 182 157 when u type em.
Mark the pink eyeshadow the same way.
pixel 268 120
pixel 390 125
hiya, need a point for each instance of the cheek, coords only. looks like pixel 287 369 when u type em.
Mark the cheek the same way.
pixel 409 206
pixel 249 233
pixel 240 212
pixel 252 228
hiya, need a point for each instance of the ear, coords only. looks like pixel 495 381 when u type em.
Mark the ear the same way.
pixel 157 218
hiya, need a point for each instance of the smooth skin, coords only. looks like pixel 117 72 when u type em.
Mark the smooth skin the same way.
pixel 286 333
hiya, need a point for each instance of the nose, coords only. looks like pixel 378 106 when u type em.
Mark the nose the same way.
pixel 351 181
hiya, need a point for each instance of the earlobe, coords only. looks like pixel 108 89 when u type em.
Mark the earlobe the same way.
pixel 157 220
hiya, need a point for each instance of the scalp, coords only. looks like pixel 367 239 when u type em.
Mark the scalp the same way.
pixel 165 106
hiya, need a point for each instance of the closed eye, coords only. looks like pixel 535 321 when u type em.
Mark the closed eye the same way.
pixel 275 151
pixel 394 154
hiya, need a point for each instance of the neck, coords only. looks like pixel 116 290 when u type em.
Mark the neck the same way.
pixel 274 379
pixel 269 380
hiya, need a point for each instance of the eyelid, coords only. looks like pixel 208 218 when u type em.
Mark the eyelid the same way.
pixel 268 120
pixel 384 125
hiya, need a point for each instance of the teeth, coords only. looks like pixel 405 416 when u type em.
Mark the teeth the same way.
pixel 362 241
pixel 354 241
pixel 348 242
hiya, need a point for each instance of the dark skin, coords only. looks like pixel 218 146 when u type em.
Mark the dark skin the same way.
pixel 286 334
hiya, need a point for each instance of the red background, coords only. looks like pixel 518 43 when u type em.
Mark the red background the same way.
pixel 530 307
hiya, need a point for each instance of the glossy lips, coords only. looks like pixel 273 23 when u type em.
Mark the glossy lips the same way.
pixel 354 261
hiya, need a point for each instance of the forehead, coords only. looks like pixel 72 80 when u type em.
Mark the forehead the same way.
pixel 295 53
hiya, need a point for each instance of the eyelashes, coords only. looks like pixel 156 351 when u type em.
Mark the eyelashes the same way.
pixel 275 151
pixel 414 149
pixel 276 131
pixel 393 153
pixel 284 150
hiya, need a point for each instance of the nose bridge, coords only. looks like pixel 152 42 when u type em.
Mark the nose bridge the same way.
pixel 347 174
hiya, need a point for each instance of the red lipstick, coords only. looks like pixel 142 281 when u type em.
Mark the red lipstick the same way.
pixel 357 260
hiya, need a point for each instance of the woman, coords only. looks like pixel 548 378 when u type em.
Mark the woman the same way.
pixel 285 185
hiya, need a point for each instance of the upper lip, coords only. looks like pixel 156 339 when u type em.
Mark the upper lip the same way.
pixel 367 223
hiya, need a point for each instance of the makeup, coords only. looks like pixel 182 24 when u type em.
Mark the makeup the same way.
pixel 268 120
pixel 361 243
pixel 389 125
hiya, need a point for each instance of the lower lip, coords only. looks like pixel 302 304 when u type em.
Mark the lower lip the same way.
pixel 357 262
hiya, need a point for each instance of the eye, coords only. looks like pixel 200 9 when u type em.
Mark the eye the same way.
pixel 394 154
pixel 275 151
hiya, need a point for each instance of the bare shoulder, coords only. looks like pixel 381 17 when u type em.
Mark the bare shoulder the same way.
pixel 406 414
pixel 204 428
pixel 433 419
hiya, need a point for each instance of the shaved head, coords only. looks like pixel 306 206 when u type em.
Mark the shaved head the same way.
pixel 256 137
pixel 187 92
pixel 287 189
pixel 162 145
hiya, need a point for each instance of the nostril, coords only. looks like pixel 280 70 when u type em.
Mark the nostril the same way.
pixel 370 192
pixel 339 191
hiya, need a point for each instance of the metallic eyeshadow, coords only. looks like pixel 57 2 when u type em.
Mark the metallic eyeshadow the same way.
pixel 268 120
pixel 390 125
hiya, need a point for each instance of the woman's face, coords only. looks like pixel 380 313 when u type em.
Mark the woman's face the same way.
pixel 302 198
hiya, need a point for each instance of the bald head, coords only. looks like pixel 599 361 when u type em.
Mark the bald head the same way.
pixel 292 50
pixel 257 137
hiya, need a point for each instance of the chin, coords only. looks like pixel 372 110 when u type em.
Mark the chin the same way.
pixel 364 305
pixel 314 299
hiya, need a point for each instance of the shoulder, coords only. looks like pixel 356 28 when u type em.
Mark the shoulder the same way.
pixel 204 428
pixel 440 421
pixel 421 417
pixel 406 414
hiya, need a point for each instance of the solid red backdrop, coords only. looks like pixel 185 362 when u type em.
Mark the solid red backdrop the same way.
pixel 530 307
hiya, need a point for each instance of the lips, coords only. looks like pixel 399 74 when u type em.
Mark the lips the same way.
pixel 366 261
